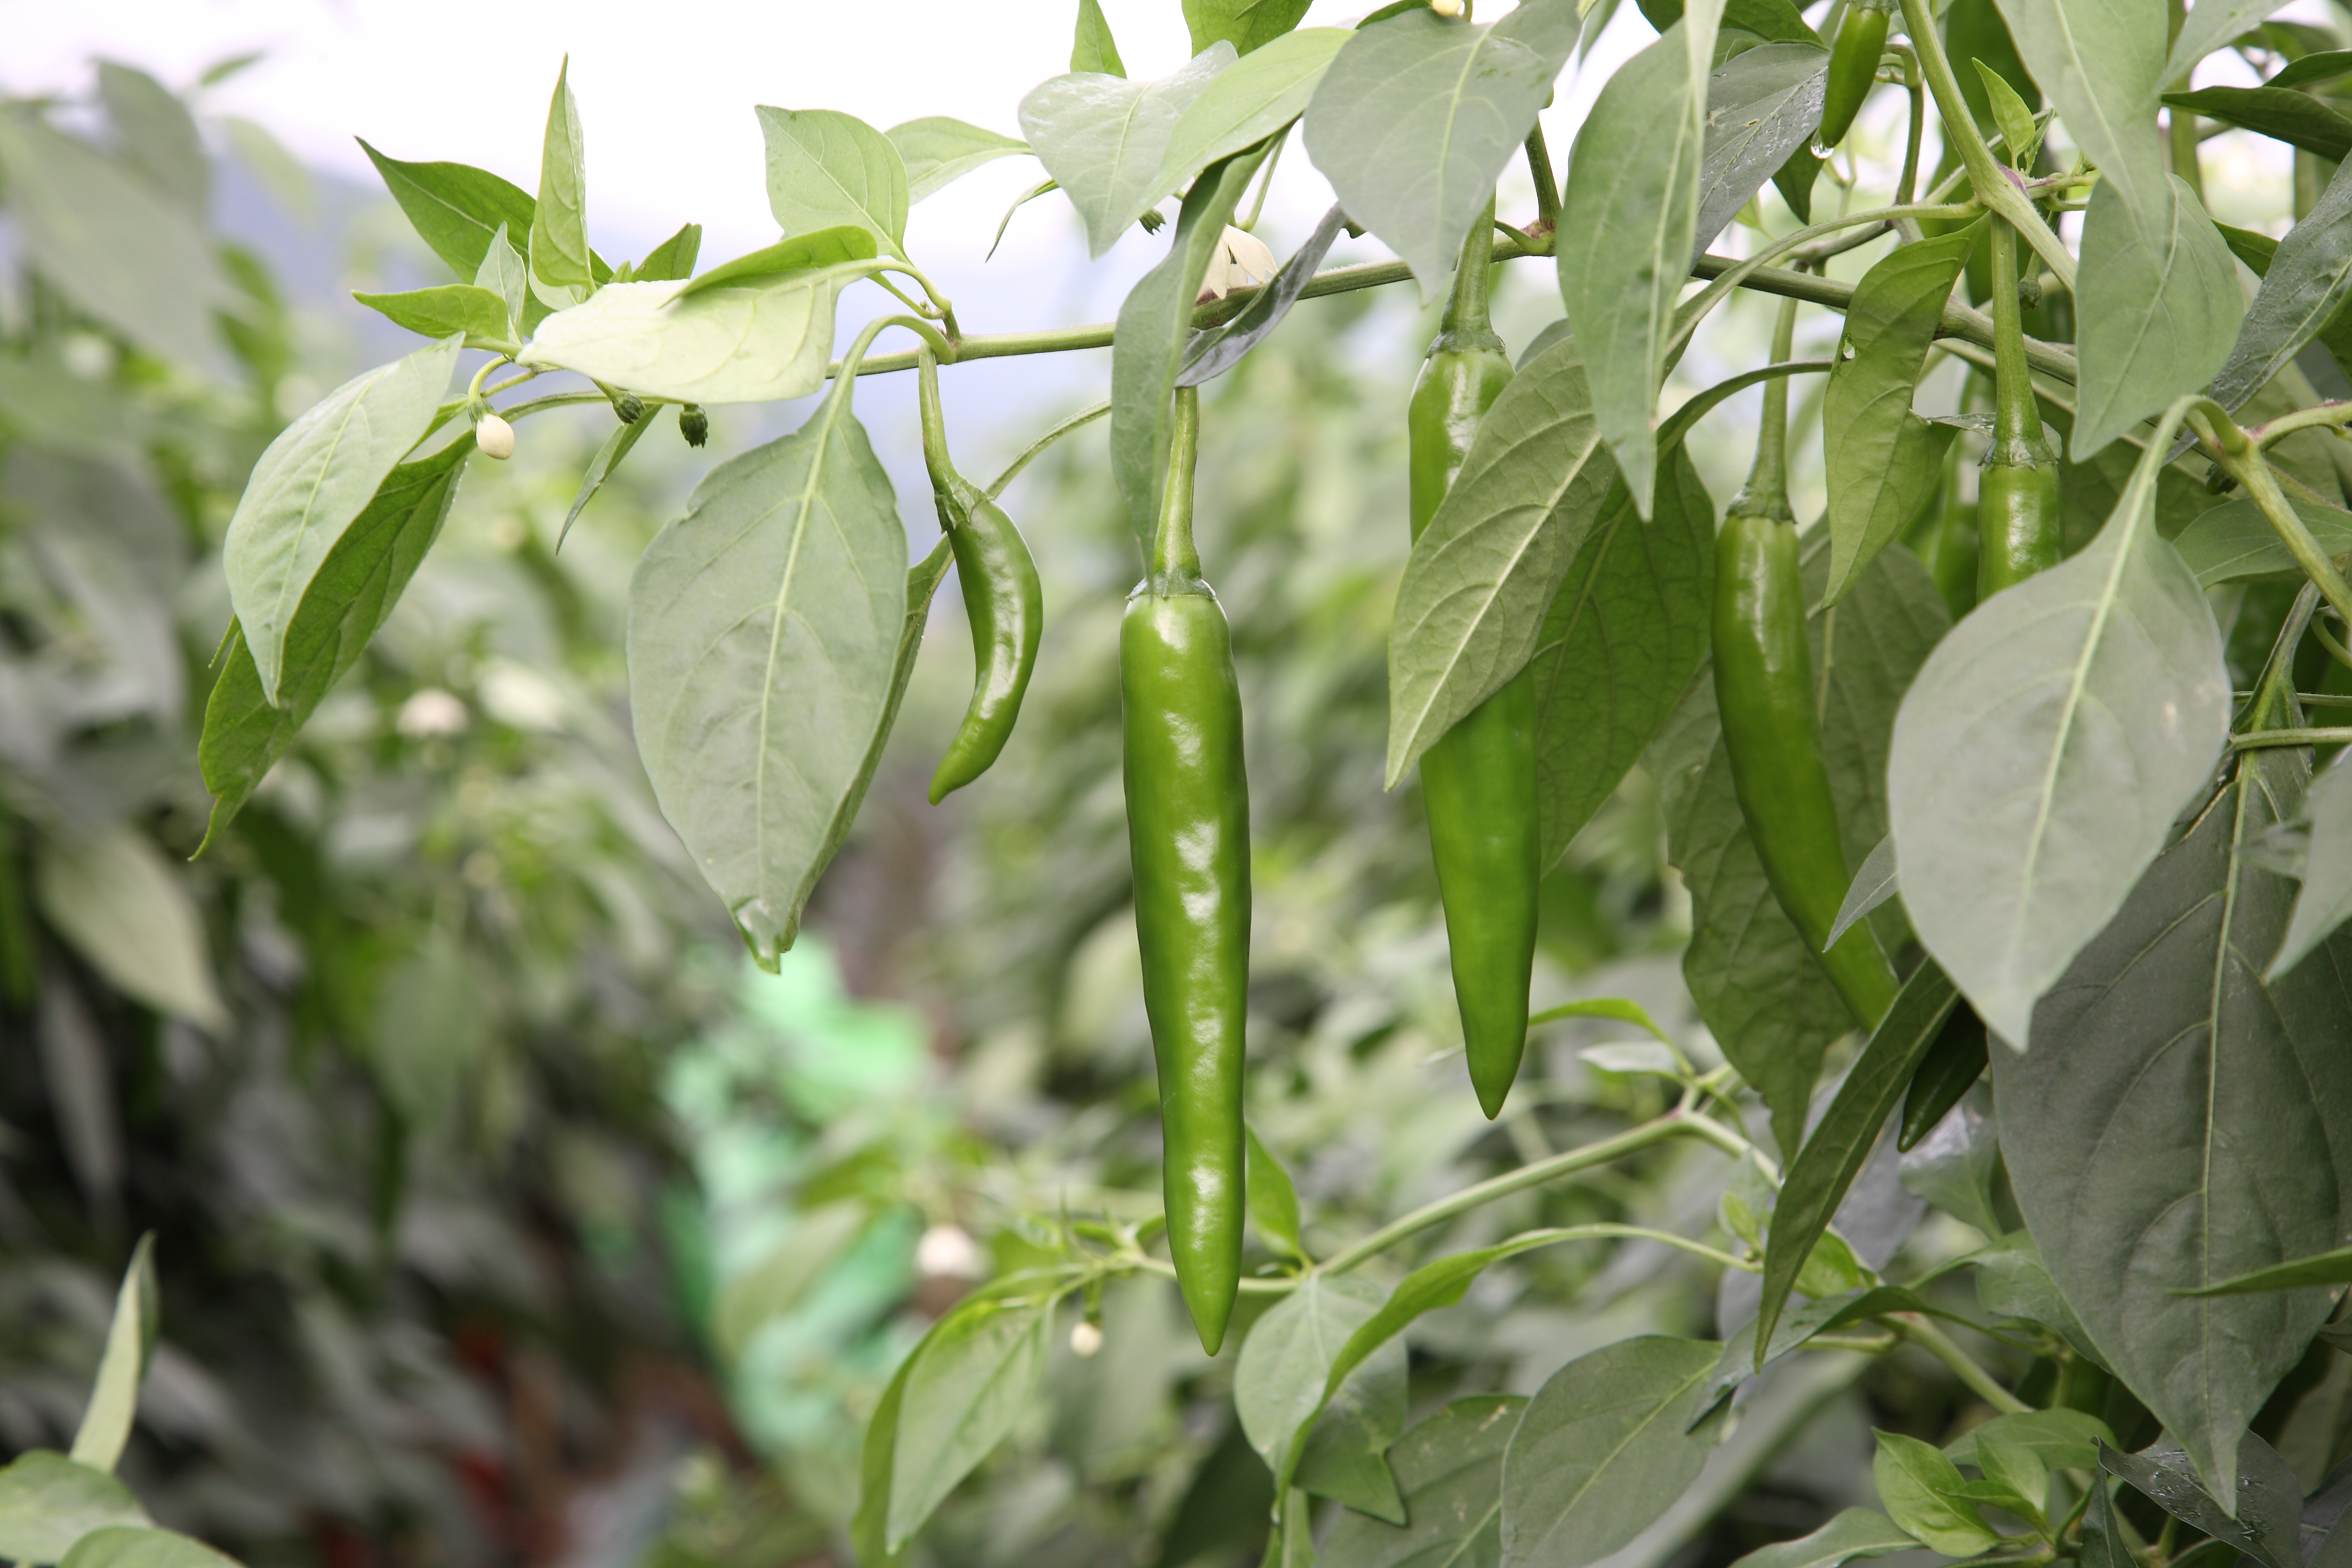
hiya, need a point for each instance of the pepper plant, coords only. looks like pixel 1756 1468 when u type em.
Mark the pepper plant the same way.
pixel 2047 819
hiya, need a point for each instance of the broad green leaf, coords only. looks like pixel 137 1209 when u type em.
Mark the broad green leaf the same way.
pixel 1835 1150
pixel 455 207
pixel 1105 138
pixel 2326 65
pixel 2234 541
pixel 1092 49
pixel 130 1342
pixel 2211 26
pixel 479 313
pixel 2013 1282
pixel 559 223
pixel 1602 1449
pixel 1916 1483
pixel 1340 1455
pixel 802 252
pixel 2263 1517
pixel 505 273
pixel 109 241
pixel 1279 1383
pixel 1273 1200
pixel 971 1376
pixel 2327 1269
pixel 157 135
pixel 766 341
pixel 2304 287
pixel 1417 117
pixel 313 481
pixel 1248 103
pixel 938 150
pixel 1763 106
pixel 1154 322
pixel 877 1461
pixel 1885 462
pixel 2101 63
pixel 47 1502
pixel 2104 1544
pixel 1956 1175
pixel 1471 607
pixel 2179 1096
pixel 1623 635
pixel 1449 1470
pixel 764 629
pixel 2325 901
pixel 2297 118
pixel 827 169
pixel 1854 1533
pixel 1872 885
pixel 2042 753
pixel 2058 1439
pixel 1792 1329
pixel 126 910
pixel 134 1546
pixel 1633 181
pixel 1441 1282
pixel 1210 351
pixel 346 604
pixel 2164 315
pixel 1774 21
pixel 2012 115
pixel 600 468
pixel 673 259
pixel 1246 24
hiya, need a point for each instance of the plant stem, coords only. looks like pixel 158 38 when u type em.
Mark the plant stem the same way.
pixel 2262 738
pixel 2319 415
pixel 1938 1344
pixel 1918 130
pixel 2017 414
pixel 1767 491
pixel 1172 551
pixel 1547 182
pixel 1082 417
pixel 1265 182
pixel 1249 1287
pixel 2243 461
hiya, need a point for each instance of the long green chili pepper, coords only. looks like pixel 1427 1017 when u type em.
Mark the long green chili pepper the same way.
pixel 2018 517
pixel 1187 834
pixel 1000 599
pixel 1478 782
pixel 1764 693
pixel 1854 68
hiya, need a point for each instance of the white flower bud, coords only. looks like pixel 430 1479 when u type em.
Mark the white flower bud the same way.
pixel 1240 257
pixel 1446 7
pixel 948 1252
pixel 495 436
pixel 1085 1340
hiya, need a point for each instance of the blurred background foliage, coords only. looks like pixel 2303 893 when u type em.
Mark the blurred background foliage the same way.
pixel 506 1215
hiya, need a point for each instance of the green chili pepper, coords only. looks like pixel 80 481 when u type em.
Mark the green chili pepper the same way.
pixel 1478 782
pixel 1854 68
pixel 1764 694
pixel 2019 516
pixel 1000 599
pixel 1187 834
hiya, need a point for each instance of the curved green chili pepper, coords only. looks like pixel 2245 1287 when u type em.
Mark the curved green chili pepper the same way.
pixel 1854 68
pixel 1187 834
pixel 1478 782
pixel 1000 599
pixel 2020 520
pixel 1764 694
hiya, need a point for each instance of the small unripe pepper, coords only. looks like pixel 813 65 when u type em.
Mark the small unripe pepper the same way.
pixel 2019 516
pixel 1854 68
pixel 494 436
pixel 1187 834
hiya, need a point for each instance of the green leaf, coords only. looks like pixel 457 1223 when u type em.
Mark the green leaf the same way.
pixel 1961 1184
pixel 2326 1268
pixel 766 341
pixel 1763 106
pixel 131 1546
pixel 1872 886
pixel 127 912
pixel 1449 1470
pixel 346 604
pixel 2058 1439
pixel 2211 27
pixel 479 313
pixel 2179 1096
pixel 2104 1542
pixel 2164 316
pixel 2305 284
pixel 1916 1483
pixel 1154 322
pixel 312 481
pixel 130 1342
pixel 2013 1282
pixel 1279 1383
pixel 1791 1331
pixel 802 252
pixel 673 259
pixel 1471 607
pixel 1854 1533
pixel 938 150
pixel 2296 118
pixel 1774 21
pixel 1104 139
pixel 2235 541
pixel 47 1502
pixel 764 628
pixel 1602 1449
pixel 1273 1201
pixel 2041 753
pixel 1092 49
pixel 1633 180
pixel 158 134
pixel 455 207
pixel 876 1462
pixel 504 273
pixel 1616 1007
pixel 1838 1147
pixel 600 468
pixel 971 1376
pixel 1439 1283
pixel 2103 66
pixel 1885 462
pixel 1248 103
pixel 2326 65
pixel 2264 1519
pixel 1625 631
pixel 2325 899
pixel 1417 117
pixel 559 223
pixel 1247 24
pixel 2012 115
pixel 827 169
pixel 109 242
pixel 1209 352
pixel 1341 1456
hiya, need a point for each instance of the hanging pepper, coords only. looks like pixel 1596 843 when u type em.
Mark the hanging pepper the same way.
pixel 1478 782
pixel 1764 693
pixel 1188 834
pixel 1854 68
pixel 1000 599
pixel 2019 513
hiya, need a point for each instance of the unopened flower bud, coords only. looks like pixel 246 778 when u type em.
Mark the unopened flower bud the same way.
pixel 1446 7
pixel 693 424
pixel 495 436
pixel 630 407
pixel 2029 291
pixel 1086 1339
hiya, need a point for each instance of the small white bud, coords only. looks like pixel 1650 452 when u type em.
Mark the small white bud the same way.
pixel 431 711
pixel 1240 257
pixel 495 436
pixel 948 1252
pixel 1446 7
pixel 1085 1340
